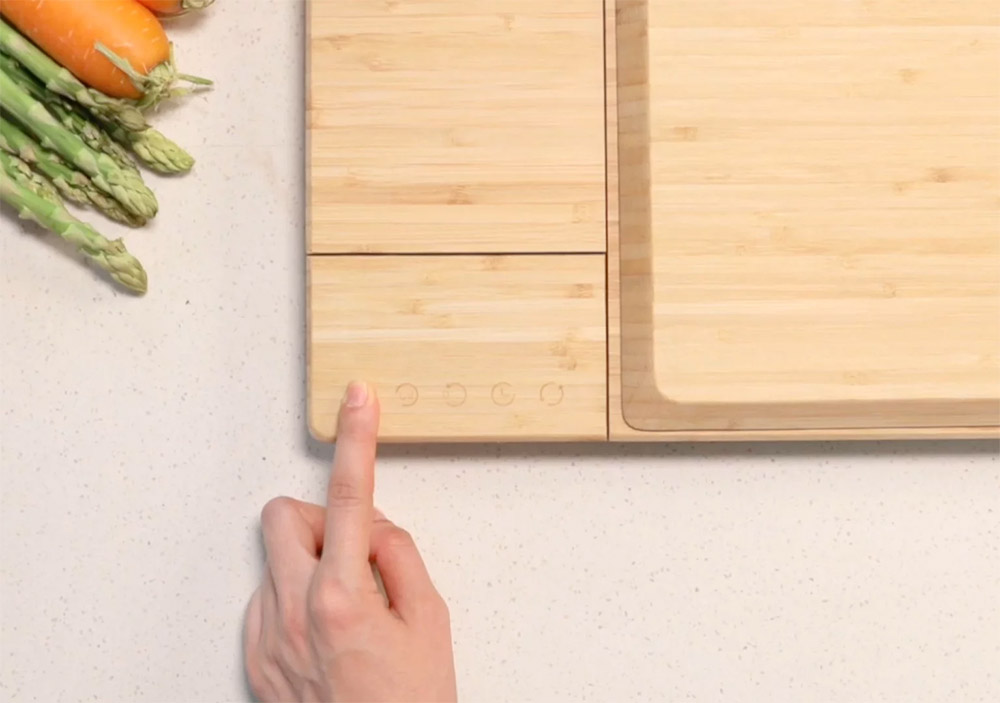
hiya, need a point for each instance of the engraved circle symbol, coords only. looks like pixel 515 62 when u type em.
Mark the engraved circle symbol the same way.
pixel 455 394
pixel 408 394
pixel 551 394
pixel 503 394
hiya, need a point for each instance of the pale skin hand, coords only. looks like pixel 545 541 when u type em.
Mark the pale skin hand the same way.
pixel 318 628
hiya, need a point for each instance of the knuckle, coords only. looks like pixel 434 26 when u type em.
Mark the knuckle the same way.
pixel 434 612
pixel 440 611
pixel 399 539
pixel 333 606
pixel 274 511
pixel 343 494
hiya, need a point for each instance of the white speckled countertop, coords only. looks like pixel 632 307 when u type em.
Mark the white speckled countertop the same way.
pixel 140 438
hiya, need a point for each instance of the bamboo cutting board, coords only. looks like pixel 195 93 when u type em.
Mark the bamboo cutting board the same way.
pixel 577 220
pixel 810 214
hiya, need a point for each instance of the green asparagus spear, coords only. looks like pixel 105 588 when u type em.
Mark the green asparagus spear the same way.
pixel 59 80
pixel 126 186
pixel 113 209
pixel 74 186
pixel 31 204
pixel 91 134
pixel 70 115
pixel 66 180
pixel 37 181
pixel 154 149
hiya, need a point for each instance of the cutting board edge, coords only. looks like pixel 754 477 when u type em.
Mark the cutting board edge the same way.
pixel 622 432
pixel 618 429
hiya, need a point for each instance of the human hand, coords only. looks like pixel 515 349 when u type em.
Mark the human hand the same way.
pixel 318 628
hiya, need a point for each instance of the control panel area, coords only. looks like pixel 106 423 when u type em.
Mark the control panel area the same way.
pixel 457 395
pixel 462 348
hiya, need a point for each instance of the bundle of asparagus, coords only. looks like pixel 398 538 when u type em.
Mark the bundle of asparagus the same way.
pixel 73 117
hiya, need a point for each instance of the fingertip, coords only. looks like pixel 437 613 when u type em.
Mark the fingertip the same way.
pixel 357 395
pixel 359 410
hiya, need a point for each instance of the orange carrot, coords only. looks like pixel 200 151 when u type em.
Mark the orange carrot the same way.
pixel 172 8
pixel 113 46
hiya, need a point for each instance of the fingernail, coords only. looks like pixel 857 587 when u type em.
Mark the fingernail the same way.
pixel 356 395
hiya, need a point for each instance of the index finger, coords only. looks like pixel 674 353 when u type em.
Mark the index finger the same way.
pixel 347 532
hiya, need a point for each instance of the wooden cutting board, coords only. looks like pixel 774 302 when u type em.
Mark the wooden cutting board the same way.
pixel 577 220
pixel 810 214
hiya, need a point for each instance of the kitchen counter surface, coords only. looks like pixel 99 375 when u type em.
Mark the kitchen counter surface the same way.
pixel 141 437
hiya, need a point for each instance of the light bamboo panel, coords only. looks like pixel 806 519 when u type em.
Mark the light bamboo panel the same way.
pixel 462 347
pixel 456 126
pixel 809 216
pixel 619 429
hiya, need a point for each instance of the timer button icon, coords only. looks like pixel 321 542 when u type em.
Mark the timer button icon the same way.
pixel 503 394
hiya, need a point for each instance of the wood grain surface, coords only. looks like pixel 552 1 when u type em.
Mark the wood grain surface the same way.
pixel 800 206
pixel 809 216
pixel 462 347
pixel 450 126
